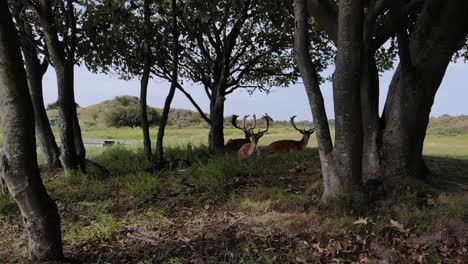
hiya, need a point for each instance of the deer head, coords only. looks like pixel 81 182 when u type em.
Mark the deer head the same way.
pixel 248 149
pixel 255 136
pixel 305 132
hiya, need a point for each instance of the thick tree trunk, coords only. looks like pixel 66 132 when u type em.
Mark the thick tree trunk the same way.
pixel 346 174
pixel 441 28
pixel 216 133
pixel 174 79
pixel 18 159
pixel 341 167
pixel 144 85
pixel 35 72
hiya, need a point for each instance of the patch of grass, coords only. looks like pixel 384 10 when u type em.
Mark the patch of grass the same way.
pixel 141 185
pixel 103 227
pixel 453 205
pixel 7 205
pixel 214 177
pixel 423 220
pixel 281 199
pixel 122 160
pixel 79 187
pixel 155 218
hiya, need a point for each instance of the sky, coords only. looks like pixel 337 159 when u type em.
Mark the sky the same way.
pixel 280 103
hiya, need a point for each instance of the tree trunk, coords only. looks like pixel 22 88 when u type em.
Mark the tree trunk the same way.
pixel 18 159
pixel 372 137
pixel 341 167
pixel 35 72
pixel 64 74
pixel 78 140
pixel 441 28
pixel 346 174
pixel 216 133
pixel 174 80
pixel 144 85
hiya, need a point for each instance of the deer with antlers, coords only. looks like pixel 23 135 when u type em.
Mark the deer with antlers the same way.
pixel 291 145
pixel 233 145
pixel 249 149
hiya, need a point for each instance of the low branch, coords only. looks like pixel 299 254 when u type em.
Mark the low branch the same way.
pixel 200 111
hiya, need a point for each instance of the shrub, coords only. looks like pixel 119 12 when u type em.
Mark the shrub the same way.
pixel 129 116
pixel 55 105
pixel 127 100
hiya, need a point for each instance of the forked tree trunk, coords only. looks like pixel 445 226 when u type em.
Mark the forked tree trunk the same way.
pixel 341 165
pixel 440 29
pixel 35 72
pixel 18 159
pixel 64 74
pixel 174 80
pixel 144 85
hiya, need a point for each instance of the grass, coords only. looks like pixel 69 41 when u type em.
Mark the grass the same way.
pixel 257 210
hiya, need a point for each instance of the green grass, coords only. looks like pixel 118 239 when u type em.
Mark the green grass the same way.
pixel 104 226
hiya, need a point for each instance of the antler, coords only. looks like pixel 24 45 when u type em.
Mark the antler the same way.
pixel 294 125
pixel 245 122
pixel 234 122
pixel 254 122
pixel 267 119
pixel 300 130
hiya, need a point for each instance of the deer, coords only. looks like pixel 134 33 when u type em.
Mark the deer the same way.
pixel 291 145
pixel 233 145
pixel 249 149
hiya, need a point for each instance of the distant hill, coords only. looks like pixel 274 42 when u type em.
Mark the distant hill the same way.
pixel 95 116
pixel 448 125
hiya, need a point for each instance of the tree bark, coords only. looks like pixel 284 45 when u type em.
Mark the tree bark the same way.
pixel 144 84
pixel 78 140
pixel 174 80
pixel 18 159
pixel 341 166
pixel 347 154
pixel 441 28
pixel 35 72
pixel 216 133
pixel 64 74
pixel 371 123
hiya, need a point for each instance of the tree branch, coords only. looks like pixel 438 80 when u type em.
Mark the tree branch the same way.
pixel 200 111
pixel 326 15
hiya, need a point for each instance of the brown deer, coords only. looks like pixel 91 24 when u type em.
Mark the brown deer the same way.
pixel 291 145
pixel 233 145
pixel 249 149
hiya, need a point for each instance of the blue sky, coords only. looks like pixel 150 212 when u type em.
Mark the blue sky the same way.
pixel 280 103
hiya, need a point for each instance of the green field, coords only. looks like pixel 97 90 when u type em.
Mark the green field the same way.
pixel 435 145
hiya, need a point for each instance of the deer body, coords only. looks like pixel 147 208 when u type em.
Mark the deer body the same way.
pixel 288 145
pixel 248 150
pixel 282 146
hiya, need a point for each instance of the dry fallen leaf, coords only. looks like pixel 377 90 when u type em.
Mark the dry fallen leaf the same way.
pixel 361 221
pixel 398 226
